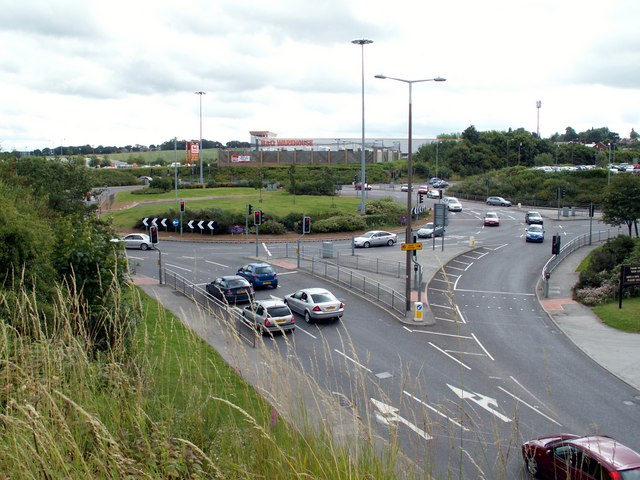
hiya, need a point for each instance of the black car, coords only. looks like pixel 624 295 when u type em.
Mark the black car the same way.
pixel 533 218
pixel 231 288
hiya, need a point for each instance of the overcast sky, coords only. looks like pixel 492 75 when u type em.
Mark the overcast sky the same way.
pixel 115 72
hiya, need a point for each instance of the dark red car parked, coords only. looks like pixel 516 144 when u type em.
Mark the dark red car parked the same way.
pixel 566 456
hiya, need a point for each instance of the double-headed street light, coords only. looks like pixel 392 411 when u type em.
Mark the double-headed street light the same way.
pixel 200 94
pixel 409 182
pixel 363 204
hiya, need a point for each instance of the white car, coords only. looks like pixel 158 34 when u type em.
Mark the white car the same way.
pixel 433 193
pixel 314 304
pixel 137 240
pixel 453 204
pixel 375 238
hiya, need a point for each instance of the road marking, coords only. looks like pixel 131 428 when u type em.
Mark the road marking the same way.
pixel 177 266
pixel 440 306
pixel 482 347
pixel 298 327
pixel 351 360
pixel 274 297
pixel 530 406
pixel 443 334
pixel 219 264
pixel 496 293
pixel 266 249
pixel 477 354
pixel 450 356
pixel 287 273
pixel 460 314
pixel 389 414
pixel 481 400
pixel 435 410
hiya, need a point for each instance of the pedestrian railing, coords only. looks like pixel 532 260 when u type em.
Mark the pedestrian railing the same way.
pixel 219 309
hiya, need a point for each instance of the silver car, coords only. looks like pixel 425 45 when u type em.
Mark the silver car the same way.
pixel 270 316
pixel 137 240
pixel 314 304
pixel 375 238
pixel 453 204
pixel 429 230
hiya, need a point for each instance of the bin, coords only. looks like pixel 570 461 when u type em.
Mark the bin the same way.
pixel 327 249
pixel 573 211
pixel 565 211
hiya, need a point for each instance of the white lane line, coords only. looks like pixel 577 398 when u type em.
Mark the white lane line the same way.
pixel 496 293
pixel 455 284
pixel 177 266
pixel 351 360
pixel 298 327
pixel 266 249
pixel 219 264
pixel 477 354
pixel 458 268
pixel 528 391
pixel 450 356
pixel 287 273
pixel 440 306
pixel 435 410
pixel 501 246
pixel 460 314
pixel 443 334
pixel 530 406
pixel 482 347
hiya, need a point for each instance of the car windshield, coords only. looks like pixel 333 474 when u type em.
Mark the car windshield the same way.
pixel 322 298
pixel 535 228
pixel 236 283
pixel 452 200
pixel 534 214
pixel 492 215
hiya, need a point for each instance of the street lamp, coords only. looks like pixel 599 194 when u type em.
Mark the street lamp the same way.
pixel 538 105
pixel 363 206
pixel 408 235
pixel 200 94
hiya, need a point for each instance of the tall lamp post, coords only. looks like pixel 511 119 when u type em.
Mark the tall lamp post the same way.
pixel 200 94
pixel 408 234
pixel 363 204
pixel 538 105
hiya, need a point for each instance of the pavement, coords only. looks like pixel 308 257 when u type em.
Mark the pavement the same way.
pixel 616 351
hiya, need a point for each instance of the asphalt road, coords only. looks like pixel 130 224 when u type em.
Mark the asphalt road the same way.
pixel 492 372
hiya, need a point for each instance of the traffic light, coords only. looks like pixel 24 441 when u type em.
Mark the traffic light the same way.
pixel 250 207
pixel 306 224
pixel 420 198
pixel 153 235
pixel 257 217
pixel 182 205
pixel 555 245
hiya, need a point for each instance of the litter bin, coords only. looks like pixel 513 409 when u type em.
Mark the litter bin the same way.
pixel 565 211
pixel 327 249
pixel 573 211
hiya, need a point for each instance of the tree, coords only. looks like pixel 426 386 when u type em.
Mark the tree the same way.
pixel 471 135
pixel 570 135
pixel 621 202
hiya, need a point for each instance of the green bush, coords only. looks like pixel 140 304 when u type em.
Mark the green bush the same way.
pixel 273 227
pixel 340 223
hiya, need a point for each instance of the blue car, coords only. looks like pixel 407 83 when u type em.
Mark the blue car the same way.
pixel 535 233
pixel 259 275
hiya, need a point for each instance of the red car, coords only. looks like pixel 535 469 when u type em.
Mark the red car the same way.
pixel 491 219
pixel 567 456
pixel 423 189
pixel 366 186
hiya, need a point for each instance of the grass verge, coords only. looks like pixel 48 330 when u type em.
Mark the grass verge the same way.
pixel 626 318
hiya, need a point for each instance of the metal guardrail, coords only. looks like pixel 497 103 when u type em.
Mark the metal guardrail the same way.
pixel 570 247
pixel 342 257
pixel 223 311
pixel 355 281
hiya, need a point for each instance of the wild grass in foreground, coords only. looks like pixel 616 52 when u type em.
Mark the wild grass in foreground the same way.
pixel 164 405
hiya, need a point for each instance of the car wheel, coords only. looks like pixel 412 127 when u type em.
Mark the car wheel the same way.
pixel 307 317
pixel 390 243
pixel 144 246
pixel 366 245
pixel 532 467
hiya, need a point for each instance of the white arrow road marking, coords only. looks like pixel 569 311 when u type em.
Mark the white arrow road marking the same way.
pixel 481 400
pixel 389 414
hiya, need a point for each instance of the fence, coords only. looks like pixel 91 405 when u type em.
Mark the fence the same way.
pixel 570 247
pixel 221 310
pixel 340 257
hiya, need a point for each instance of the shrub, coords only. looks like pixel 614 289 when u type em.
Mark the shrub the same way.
pixel 273 227
pixel 339 223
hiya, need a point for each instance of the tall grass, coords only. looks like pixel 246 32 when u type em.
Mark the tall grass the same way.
pixel 164 404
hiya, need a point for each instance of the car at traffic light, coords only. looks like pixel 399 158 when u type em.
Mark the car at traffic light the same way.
pixel 533 218
pixel 375 238
pixel 567 456
pixel 137 240
pixel 231 289
pixel 534 233
pixel 259 275
pixel 429 230
pixel 453 204
pixel 314 304
pixel 270 316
